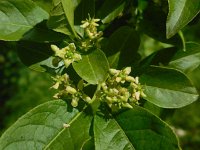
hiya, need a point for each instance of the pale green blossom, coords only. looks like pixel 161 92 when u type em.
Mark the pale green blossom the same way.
pixel 90 27
pixel 68 54
pixel 66 88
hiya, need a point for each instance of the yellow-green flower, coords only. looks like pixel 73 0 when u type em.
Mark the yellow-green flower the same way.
pixel 68 54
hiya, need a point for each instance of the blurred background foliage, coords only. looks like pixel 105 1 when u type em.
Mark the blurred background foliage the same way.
pixel 21 89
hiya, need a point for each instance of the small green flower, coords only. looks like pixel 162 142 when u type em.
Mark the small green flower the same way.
pixel 74 102
pixel 90 27
pixel 68 54
pixel 59 80
pixel 70 90
pixel 66 89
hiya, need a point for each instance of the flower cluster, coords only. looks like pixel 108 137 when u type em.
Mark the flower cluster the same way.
pixel 67 89
pixel 68 54
pixel 92 36
pixel 121 90
pixel 90 26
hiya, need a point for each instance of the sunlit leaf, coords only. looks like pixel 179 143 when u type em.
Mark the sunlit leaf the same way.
pixel 17 17
pixel 43 128
pixel 133 129
pixel 40 33
pixel 109 135
pixel 62 17
pixel 180 14
pixel 93 67
pixel 146 131
pixel 55 125
pixel 168 88
pixel 188 60
pixel 45 4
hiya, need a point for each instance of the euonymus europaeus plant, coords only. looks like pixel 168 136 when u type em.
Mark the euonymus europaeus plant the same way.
pixel 105 83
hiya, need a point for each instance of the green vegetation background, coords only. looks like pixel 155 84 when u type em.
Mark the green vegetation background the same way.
pixel 21 89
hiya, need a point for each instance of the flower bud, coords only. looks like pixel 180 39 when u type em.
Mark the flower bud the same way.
pixel 137 95
pixel 74 102
pixel 109 99
pixel 90 34
pixel 130 79
pixel 114 99
pixel 142 94
pixel 114 71
pixel 72 46
pixel 71 90
pixel 77 57
pixel 118 79
pixel 87 99
pixel 104 86
pixel 84 25
pixel 96 20
pixel 122 90
pixel 65 77
pixel 127 70
pixel 115 91
pixel 124 98
pixel 56 85
pixel 133 85
pixel 67 62
pixel 56 96
pixel 137 80
pixel 54 48
pixel 127 105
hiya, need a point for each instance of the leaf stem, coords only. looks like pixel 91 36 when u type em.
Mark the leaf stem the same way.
pixel 180 33
pixel 94 97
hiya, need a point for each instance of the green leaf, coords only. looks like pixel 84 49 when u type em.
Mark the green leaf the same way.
pixel 122 47
pixel 62 17
pixel 45 4
pixel 93 67
pixel 74 137
pixel 17 17
pixel 110 10
pixel 180 14
pixel 40 33
pixel 56 126
pixel 109 135
pixel 161 57
pixel 188 60
pixel 68 8
pixel 133 129
pixel 154 25
pixel 168 88
pixel 194 76
pixel 42 128
pixel 145 131
pixel 36 56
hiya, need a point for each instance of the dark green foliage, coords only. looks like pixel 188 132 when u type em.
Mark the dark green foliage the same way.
pixel 66 37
